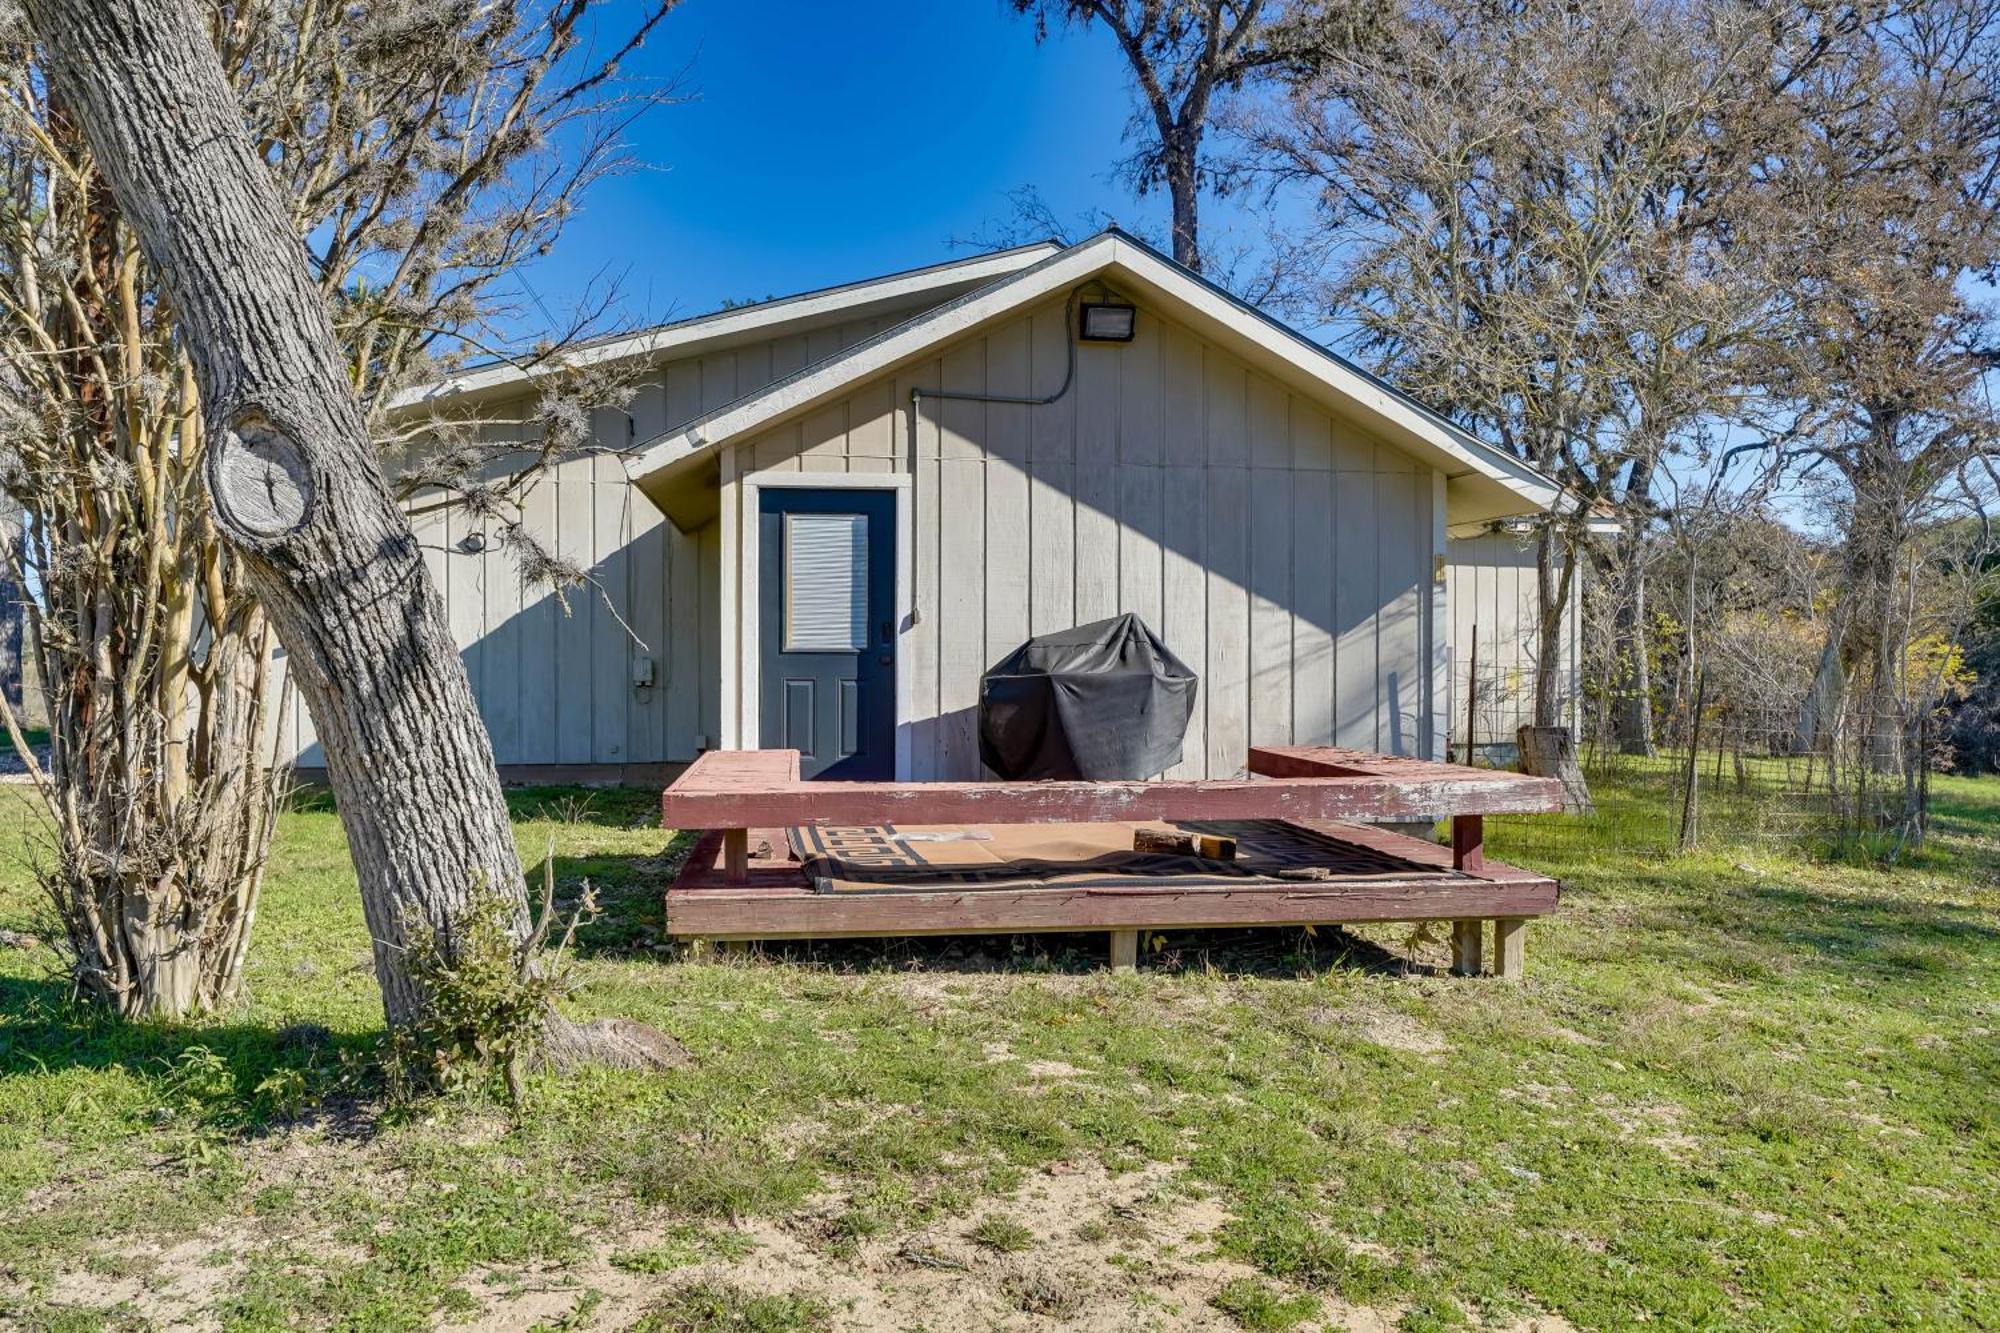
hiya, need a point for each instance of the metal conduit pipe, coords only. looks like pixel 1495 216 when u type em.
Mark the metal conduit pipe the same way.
pixel 918 393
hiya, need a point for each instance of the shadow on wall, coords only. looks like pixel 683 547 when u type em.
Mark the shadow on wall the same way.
pixel 1297 595
pixel 587 675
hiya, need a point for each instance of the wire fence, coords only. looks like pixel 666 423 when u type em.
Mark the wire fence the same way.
pixel 1717 774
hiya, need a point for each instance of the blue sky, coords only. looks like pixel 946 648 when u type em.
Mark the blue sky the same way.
pixel 821 143
pixel 824 142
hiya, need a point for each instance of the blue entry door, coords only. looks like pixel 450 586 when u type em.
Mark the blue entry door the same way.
pixel 827 629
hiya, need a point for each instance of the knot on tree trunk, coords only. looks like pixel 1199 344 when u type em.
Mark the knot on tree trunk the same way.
pixel 260 480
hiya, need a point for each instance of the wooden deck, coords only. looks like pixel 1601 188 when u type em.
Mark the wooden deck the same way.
pixel 742 881
pixel 761 789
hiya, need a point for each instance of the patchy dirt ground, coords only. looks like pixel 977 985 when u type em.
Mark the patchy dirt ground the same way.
pixel 1712 1078
pixel 1098 1253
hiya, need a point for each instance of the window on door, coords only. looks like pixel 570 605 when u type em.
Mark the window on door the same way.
pixel 826 583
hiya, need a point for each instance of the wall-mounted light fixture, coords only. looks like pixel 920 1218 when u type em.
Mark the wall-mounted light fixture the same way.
pixel 1106 322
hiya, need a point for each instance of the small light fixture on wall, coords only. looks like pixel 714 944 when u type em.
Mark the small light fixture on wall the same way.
pixel 1106 322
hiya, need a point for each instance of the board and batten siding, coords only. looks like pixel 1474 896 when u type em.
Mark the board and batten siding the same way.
pixel 1492 589
pixel 555 676
pixel 1282 554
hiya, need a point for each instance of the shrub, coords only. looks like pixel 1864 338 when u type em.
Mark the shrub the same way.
pixel 490 991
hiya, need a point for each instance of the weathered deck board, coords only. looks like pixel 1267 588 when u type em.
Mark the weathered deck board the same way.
pixel 745 799
pixel 776 901
pixel 1325 761
pixel 740 789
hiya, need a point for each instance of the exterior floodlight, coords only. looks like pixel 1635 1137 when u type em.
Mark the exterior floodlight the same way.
pixel 1107 323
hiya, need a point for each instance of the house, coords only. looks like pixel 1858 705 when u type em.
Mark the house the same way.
pixel 829 513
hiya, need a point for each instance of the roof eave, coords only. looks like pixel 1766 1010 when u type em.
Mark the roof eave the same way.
pixel 703 333
pixel 1483 482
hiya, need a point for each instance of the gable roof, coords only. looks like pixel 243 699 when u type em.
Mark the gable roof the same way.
pixel 761 319
pixel 1482 482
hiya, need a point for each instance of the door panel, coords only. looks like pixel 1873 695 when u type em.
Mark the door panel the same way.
pixel 827 629
pixel 798 732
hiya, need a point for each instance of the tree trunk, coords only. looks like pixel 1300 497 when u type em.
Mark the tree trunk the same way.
pixel 1635 686
pixel 1548 747
pixel 1634 639
pixel 1819 714
pixel 1555 570
pixel 1550 752
pixel 1886 693
pixel 1181 153
pixel 13 616
pixel 1864 638
pixel 293 481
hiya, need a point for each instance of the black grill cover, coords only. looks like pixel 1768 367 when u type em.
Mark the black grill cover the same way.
pixel 1100 701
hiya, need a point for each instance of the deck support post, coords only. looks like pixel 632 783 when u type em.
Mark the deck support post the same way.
pixel 1509 956
pixel 1466 939
pixel 1124 951
pixel 736 855
pixel 1468 855
pixel 1468 843
pixel 720 948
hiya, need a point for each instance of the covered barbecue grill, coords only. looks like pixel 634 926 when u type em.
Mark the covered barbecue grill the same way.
pixel 1102 701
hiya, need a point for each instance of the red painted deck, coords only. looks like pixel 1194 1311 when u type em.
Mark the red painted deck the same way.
pixel 776 902
pixel 761 789
pixel 746 798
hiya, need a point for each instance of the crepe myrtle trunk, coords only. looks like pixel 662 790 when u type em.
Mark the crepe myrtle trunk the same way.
pixel 293 480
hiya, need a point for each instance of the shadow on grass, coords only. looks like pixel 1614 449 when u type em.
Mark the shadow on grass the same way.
pixel 1280 953
pixel 1872 928
pixel 631 893
pixel 235 1077
pixel 631 897
pixel 1851 932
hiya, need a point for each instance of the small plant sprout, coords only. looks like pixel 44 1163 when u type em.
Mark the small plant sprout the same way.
pixel 490 990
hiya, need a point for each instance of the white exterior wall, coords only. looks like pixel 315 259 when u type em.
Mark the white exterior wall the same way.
pixel 556 686
pixel 1287 558
pixel 1282 553
pixel 1492 587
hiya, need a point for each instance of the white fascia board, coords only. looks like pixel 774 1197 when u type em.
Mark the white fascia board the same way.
pixel 1601 526
pixel 866 360
pixel 1484 482
pixel 1423 434
pixel 763 320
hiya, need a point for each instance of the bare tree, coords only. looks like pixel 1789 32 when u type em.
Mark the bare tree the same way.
pixel 1184 55
pixel 1540 207
pixel 415 211
pixel 265 413
pixel 1895 195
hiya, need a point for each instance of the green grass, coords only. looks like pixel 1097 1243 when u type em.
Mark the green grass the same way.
pixel 1740 1089
pixel 716 1308
pixel 1261 1308
pixel 1003 1235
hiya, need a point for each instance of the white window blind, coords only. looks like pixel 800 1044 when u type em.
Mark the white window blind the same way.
pixel 826 583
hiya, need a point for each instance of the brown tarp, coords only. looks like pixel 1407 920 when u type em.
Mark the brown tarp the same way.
pixel 889 858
